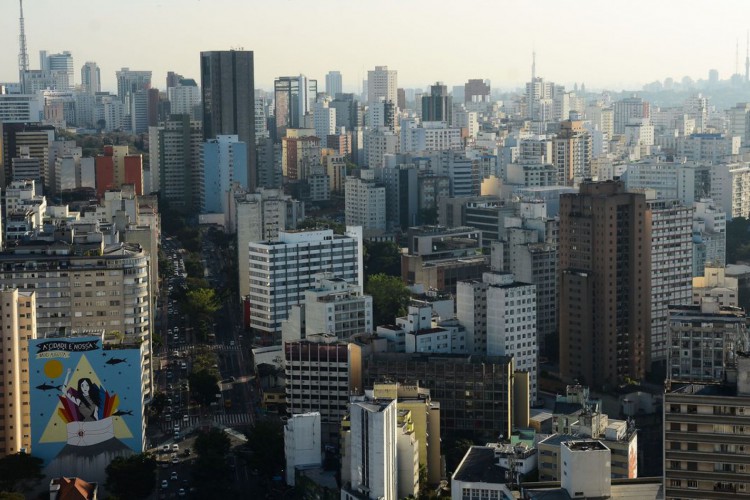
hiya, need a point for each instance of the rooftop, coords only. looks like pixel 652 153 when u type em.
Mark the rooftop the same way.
pixel 479 465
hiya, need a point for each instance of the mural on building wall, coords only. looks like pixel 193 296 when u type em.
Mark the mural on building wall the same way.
pixel 85 403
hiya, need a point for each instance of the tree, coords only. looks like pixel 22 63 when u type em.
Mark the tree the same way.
pixel 132 477
pixel 266 440
pixel 211 471
pixel 382 257
pixel 204 386
pixel 202 302
pixel 390 297
pixel 19 470
pixel 9 495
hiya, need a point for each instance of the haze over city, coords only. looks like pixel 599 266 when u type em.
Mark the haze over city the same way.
pixel 603 44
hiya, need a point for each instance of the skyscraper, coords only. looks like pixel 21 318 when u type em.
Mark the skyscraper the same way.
pixel 294 97
pixel 436 107
pixel 91 79
pixel 605 284
pixel 333 83
pixel 382 83
pixel 129 82
pixel 228 87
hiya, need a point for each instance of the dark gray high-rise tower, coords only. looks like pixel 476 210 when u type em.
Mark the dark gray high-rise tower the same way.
pixel 228 87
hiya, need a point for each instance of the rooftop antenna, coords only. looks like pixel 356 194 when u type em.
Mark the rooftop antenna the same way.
pixel 23 55
pixel 747 59
pixel 737 58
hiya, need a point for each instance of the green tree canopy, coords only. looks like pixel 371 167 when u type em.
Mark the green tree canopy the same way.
pixel 266 440
pixel 19 470
pixel 382 257
pixel 204 386
pixel 200 304
pixel 211 470
pixel 132 477
pixel 390 298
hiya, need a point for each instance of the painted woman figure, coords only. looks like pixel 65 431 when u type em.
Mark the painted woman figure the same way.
pixel 86 399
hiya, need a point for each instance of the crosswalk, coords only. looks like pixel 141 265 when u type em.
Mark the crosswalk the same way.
pixel 193 421
pixel 210 347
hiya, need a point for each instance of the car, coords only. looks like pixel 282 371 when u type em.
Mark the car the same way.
pixel 173 476
pixel 186 418
pixel 176 436
pixel 231 343
pixel 175 447
pixel 183 365
pixel 169 387
pixel 168 417
pixel 164 484
pixel 175 460
pixel 165 448
pixel 186 452
pixel 181 492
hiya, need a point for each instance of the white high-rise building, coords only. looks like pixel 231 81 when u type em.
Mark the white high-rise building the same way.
pixel 709 236
pixel 671 266
pixel 333 83
pixel 302 443
pixel 382 83
pixel 258 217
pixel 91 78
pixel 184 98
pixel 281 270
pixel 511 323
pixel 365 202
pixel 62 62
pixel 21 108
pixel 373 462
pixel 324 118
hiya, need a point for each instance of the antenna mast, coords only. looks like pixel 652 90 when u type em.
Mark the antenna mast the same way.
pixel 747 59
pixel 23 55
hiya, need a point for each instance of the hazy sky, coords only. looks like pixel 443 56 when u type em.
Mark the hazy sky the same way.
pixel 604 43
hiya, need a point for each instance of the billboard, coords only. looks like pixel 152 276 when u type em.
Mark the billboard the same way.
pixel 86 404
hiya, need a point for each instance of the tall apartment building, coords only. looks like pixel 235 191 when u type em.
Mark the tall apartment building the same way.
pixel 671 266
pixel 333 83
pixel 18 135
pixel 476 90
pixel 511 323
pixel 82 286
pixel 129 82
pixel 178 143
pixel 184 98
pixel 438 106
pixel 91 78
pixel 228 95
pixel 321 374
pixel 300 154
pixel 62 62
pixel 605 284
pixel 627 109
pixel 364 200
pixel 709 236
pixel 373 454
pixel 706 436
pixel 382 83
pixel 18 323
pixel 293 100
pixel 572 153
pixel 281 270
pixel 116 167
pixel 224 164
pixel 259 217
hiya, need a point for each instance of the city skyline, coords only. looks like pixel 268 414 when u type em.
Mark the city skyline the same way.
pixel 603 54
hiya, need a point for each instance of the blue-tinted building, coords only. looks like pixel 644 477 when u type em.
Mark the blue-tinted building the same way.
pixel 224 163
